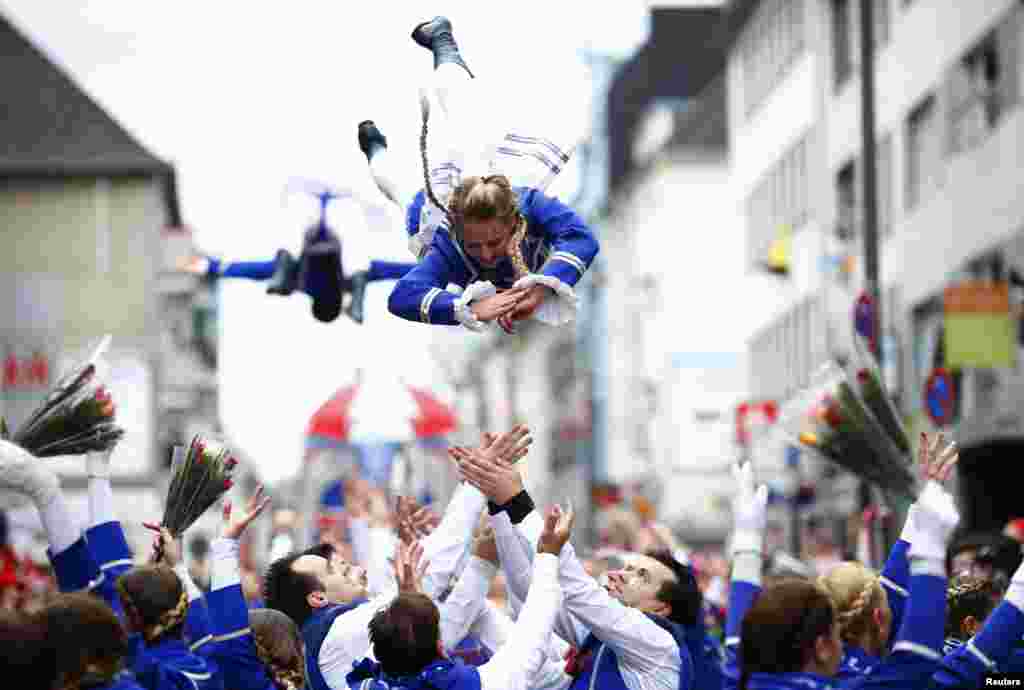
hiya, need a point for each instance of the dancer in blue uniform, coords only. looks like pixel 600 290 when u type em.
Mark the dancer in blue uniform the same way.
pixel 154 601
pixel 788 636
pixel 407 640
pixel 90 644
pixel 482 222
pixel 318 272
pixel 258 649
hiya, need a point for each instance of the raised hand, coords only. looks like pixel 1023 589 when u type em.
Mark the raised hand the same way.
pixel 936 460
pixel 557 529
pixel 409 567
pixel 749 510
pixel 166 549
pixel 485 547
pixel 234 526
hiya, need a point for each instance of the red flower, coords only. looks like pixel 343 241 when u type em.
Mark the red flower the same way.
pixel 231 462
pixel 228 484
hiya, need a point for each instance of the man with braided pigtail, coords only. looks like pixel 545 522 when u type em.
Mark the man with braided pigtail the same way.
pixel 482 221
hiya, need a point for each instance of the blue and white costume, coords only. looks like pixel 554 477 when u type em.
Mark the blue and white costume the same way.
pixel 558 247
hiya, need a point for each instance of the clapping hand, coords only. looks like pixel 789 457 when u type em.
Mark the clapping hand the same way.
pixel 557 529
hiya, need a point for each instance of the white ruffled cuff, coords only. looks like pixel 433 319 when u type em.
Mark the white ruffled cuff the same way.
pixel 557 309
pixel 474 291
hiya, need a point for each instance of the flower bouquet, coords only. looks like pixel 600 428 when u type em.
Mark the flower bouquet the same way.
pixel 199 476
pixel 831 418
pixel 76 417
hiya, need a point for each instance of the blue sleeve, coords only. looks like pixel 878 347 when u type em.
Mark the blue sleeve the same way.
pixel 253 270
pixel 573 245
pixel 990 650
pixel 741 597
pixel 198 627
pixel 110 549
pixel 234 649
pixel 412 213
pixel 896 580
pixel 916 656
pixel 420 294
pixel 75 568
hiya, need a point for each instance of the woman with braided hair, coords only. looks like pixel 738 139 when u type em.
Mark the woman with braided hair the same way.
pixel 482 221
pixel 864 616
pixel 258 649
pixel 155 604
pixel 787 636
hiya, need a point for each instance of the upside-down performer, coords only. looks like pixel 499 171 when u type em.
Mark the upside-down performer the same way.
pixel 318 272
pixel 482 222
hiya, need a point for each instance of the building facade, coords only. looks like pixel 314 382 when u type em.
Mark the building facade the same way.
pixel 948 78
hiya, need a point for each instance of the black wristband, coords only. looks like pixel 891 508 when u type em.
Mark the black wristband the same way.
pixel 519 507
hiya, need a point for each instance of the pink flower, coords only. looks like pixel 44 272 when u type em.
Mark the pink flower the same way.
pixel 231 462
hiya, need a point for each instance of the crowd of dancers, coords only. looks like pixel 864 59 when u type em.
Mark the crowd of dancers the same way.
pixel 412 606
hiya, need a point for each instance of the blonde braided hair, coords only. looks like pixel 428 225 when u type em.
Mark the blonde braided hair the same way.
pixel 455 212
pixel 856 592
pixel 278 647
pixel 284 678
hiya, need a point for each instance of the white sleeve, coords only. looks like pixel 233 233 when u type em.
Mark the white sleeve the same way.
pixel 637 641
pixel 493 627
pixel 379 573
pixel 348 640
pixel 443 548
pixel 516 664
pixel 466 602
pixel 224 570
pixel 516 547
pixel 362 551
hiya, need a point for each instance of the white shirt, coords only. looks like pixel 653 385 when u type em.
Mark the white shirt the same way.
pixel 649 658
pixel 518 662
pixel 348 640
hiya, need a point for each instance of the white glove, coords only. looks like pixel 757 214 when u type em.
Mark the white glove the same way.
pixel 908 532
pixel 27 475
pixel 749 511
pixel 935 518
pixel 97 464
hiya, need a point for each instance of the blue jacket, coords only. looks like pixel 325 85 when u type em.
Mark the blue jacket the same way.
pixel 602 661
pixel 856 662
pixel 234 649
pixel 314 632
pixel 169 665
pixel 912 664
pixel 991 650
pixel 558 244
pixel 443 674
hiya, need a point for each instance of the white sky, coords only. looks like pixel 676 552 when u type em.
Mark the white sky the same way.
pixel 243 98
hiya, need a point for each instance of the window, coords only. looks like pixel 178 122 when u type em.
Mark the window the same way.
pixel 846 34
pixel 924 159
pixel 849 205
pixel 772 41
pixel 982 87
pixel 779 202
pixel 786 353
